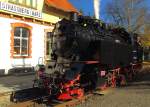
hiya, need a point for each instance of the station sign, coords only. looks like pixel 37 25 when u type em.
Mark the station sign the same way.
pixel 20 10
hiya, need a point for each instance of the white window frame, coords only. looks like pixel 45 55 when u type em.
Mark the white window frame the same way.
pixel 21 38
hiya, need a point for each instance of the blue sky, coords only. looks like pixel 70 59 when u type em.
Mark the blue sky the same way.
pixel 87 6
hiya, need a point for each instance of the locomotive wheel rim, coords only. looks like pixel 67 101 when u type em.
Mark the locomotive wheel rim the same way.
pixel 123 80
pixel 111 80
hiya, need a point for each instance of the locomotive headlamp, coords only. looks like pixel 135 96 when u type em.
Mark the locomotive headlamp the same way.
pixel 117 41
pixel 84 24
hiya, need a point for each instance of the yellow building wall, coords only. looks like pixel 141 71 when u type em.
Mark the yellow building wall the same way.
pixel 4 0
pixel 48 17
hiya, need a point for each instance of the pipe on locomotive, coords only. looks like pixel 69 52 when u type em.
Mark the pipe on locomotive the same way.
pixel 74 16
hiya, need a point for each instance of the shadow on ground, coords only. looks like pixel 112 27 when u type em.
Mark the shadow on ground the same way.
pixel 9 83
pixel 142 80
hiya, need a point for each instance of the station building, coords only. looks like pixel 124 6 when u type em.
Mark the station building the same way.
pixel 25 28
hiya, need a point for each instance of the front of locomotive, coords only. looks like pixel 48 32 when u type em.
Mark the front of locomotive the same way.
pixel 70 75
pixel 67 69
pixel 63 80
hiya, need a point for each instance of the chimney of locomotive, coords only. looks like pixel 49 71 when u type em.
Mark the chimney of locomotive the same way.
pixel 74 16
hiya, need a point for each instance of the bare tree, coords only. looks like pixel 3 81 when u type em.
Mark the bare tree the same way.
pixel 127 13
pixel 146 36
pixel 147 29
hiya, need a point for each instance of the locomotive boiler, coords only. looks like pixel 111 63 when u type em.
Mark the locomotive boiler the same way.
pixel 87 55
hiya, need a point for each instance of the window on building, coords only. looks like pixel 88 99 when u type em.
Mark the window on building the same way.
pixel 21 41
pixel 14 1
pixel 28 3
pixel 34 3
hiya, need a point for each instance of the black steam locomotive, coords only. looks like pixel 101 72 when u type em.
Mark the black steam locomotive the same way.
pixel 88 55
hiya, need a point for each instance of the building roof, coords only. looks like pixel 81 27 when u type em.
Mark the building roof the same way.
pixel 64 5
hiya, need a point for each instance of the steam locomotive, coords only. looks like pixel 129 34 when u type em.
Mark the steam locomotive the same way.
pixel 87 55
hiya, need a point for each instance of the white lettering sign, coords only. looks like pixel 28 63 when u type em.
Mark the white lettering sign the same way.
pixel 20 10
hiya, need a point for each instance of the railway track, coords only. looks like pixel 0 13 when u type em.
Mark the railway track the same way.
pixel 71 103
pixel 55 103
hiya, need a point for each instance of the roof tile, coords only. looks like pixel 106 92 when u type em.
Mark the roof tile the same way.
pixel 64 5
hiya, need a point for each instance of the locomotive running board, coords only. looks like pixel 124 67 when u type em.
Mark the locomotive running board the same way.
pixel 86 62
